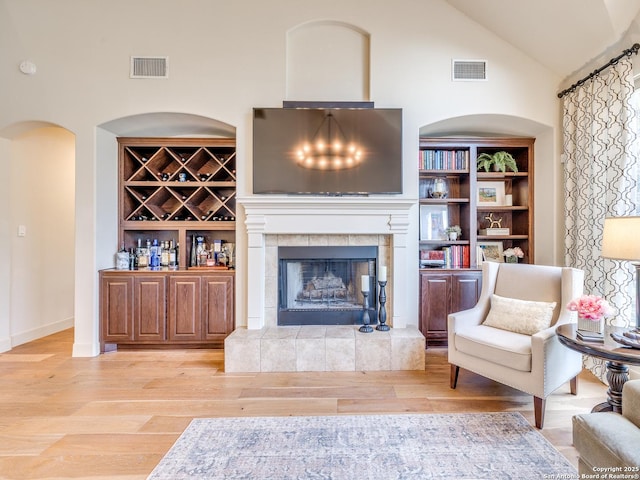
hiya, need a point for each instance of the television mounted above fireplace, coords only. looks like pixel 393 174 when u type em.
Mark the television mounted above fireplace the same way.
pixel 327 151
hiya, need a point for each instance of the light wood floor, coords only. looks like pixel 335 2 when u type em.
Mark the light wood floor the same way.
pixel 115 416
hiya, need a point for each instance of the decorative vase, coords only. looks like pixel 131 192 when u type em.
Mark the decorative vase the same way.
pixel 511 259
pixel 589 325
pixel 453 236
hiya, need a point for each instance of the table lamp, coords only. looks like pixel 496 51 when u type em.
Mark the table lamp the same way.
pixel 621 241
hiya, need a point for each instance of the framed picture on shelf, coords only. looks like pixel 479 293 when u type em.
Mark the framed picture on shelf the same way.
pixel 490 194
pixel 434 220
pixel 492 251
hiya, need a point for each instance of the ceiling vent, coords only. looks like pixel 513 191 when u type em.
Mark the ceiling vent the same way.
pixel 149 67
pixel 469 70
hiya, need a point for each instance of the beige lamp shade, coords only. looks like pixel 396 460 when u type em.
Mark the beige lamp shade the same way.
pixel 621 238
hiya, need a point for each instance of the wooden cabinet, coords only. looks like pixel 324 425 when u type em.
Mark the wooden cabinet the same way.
pixel 173 189
pixel 149 313
pixel 116 308
pixel 185 318
pixel 175 308
pixel 442 293
pixel 217 305
pixel 453 192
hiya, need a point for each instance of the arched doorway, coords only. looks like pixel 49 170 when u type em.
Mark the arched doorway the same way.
pixel 37 232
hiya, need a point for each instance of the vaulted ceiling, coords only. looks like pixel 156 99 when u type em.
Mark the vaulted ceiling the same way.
pixel 563 35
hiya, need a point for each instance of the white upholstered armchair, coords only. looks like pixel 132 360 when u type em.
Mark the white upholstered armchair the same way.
pixel 509 336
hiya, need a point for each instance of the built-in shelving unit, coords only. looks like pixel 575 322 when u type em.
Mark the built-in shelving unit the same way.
pixel 453 192
pixel 173 189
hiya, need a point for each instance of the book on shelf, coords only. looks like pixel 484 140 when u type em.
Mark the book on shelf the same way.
pixel 453 256
pixel 494 231
pixel 479 256
pixel 443 160
pixel 457 256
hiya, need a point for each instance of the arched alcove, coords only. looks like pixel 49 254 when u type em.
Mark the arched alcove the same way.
pixel 101 234
pixel 152 124
pixel 328 61
pixel 548 174
pixel 37 231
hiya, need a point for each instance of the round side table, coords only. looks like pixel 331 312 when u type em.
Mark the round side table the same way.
pixel 617 356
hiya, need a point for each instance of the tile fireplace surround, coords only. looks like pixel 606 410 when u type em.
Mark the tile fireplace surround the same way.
pixel 275 221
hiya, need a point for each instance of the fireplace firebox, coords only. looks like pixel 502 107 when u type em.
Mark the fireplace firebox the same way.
pixel 323 285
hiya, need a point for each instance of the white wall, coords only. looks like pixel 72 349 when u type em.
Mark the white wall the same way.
pixel 42 193
pixel 226 58
pixel 5 248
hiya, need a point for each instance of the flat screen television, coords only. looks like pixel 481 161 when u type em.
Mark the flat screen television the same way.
pixel 286 159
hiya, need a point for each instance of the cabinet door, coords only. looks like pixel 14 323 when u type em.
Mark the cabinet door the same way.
pixel 217 306
pixel 185 317
pixel 116 308
pixel 149 315
pixel 465 290
pixel 435 304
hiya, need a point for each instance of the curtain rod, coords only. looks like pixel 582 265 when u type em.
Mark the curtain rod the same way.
pixel 628 52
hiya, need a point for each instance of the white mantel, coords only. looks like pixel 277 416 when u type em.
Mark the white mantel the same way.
pixel 358 215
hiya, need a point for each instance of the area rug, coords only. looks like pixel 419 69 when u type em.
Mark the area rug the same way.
pixel 353 447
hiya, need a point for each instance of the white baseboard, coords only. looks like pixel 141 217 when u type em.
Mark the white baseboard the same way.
pixel 39 332
pixel 5 344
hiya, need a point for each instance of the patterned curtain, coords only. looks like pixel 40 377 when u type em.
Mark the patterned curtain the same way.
pixel 601 169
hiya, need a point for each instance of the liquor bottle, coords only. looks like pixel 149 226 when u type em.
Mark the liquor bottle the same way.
pixel 154 253
pixel 172 255
pixel 200 247
pixel 132 259
pixel 122 258
pixel 193 261
pixel 148 252
pixel 177 254
pixel 202 253
pixel 164 255
pixel 142 254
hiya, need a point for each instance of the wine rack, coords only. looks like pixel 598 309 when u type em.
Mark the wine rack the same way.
pixel 175 188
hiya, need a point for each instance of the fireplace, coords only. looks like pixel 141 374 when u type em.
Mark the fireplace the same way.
pixel 273 222
pixel 322 285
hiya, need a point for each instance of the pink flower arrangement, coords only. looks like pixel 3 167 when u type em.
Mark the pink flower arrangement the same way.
pixel 591 307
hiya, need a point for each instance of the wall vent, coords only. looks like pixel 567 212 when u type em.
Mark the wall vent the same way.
pixel 469 70
pixel 149 67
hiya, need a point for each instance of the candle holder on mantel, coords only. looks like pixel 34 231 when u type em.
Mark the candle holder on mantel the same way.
pixel 382 313
pixel 365 328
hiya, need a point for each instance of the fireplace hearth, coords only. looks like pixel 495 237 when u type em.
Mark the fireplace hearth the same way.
pixel 322 285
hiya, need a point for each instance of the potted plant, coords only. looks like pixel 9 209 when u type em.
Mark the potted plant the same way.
pixel 453 232
pixel 499 161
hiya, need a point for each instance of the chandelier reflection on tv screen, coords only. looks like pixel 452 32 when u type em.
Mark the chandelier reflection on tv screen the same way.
pixel 329 148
